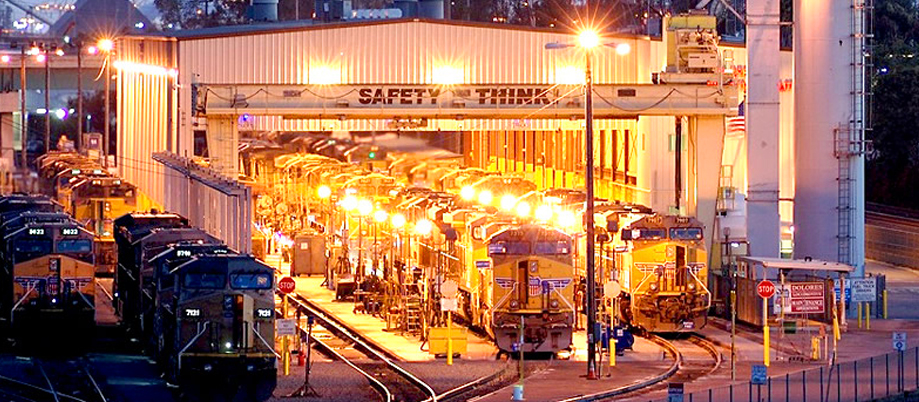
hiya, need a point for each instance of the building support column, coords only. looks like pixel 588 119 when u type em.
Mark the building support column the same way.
pixel 704 172
pixel 222 140
pixel 762 113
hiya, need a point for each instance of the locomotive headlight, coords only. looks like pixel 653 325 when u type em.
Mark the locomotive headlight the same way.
pixel 514 304
pixel 653 287
pixel 692 287
pixel 553 304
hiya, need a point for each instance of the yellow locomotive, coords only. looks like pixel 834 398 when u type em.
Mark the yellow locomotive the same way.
pixel 532 288
pixel 664 274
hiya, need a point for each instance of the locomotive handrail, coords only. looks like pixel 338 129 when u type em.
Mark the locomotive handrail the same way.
pixel 254 328
pixel 501 302
pixel 191 342
pixel 560 295
pixel 22 299
pixel 699 281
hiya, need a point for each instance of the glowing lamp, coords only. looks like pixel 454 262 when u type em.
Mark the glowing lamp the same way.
pixel 468 193
pixel 485 197
pixel 543 213
pixel 5 58
pixel 623 49
pixel 507 202
pixel 523 209
pixel 40 58
pixel 424 227
pixel 566 219
pixel 349 203
pixel 588 39
pixel 380 216
pixel 106 45
pixel 92 50
pixel 324 191
pixel 398 220
pixel 364 207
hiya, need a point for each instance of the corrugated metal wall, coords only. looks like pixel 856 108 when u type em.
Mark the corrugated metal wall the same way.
pixel 413 52
pixel 146 104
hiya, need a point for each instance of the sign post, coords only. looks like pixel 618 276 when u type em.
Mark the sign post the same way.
pixel 765 289
pixel 899 341
pixel 448 290
pixel 285 286
pixel 864 290
pixel 675 392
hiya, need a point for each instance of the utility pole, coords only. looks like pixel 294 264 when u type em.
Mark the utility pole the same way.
pixel 107 117
pixel 79 44
pixel 23 123
pixel 47 100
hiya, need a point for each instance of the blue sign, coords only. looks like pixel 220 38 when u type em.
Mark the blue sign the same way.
pixel 758 375
pixel 848 290
pixel 483 264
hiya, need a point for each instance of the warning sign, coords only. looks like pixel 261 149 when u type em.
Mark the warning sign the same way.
pixel 804 298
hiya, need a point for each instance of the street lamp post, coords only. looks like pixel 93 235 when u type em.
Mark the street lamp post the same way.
pixel 588 40
pixel 107 46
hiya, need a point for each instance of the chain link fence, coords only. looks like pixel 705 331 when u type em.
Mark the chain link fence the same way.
pixel 861 380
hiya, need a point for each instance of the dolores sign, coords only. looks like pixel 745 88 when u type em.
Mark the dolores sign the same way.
pixel 803 298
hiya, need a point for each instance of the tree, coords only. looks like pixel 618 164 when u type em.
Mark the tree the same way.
pixel 191 14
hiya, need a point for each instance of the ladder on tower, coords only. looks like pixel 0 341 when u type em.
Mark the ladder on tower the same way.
pixel 413 315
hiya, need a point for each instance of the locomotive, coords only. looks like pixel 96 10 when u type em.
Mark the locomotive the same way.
pixel 204 312
pixel 46 275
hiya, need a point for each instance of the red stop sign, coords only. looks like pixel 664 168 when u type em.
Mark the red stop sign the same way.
pixel 287 285
pixel 766 289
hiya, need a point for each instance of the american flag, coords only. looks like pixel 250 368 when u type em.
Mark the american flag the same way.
pixel 737 125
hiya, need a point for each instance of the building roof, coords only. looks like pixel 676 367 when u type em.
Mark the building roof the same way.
pixel 806 264
pixel 93 17
pixel 308 25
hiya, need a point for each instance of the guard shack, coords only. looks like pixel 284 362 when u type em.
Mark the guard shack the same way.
pixel 804 290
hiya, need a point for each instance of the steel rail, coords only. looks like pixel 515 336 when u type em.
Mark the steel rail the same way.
pixel 340 330
pixel 92 380
pixel 677 363
pixel 324 348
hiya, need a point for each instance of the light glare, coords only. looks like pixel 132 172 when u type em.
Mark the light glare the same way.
pixel 485 197
pixel 324 192
pixel 507 202
pixel 589 39
pixel 468 193
pixel 424 227
pixel 543 213
pixel 398 220
pixel 623 49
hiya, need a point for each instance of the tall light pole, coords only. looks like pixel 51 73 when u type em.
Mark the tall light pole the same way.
pixel 107 46
pixel 588 40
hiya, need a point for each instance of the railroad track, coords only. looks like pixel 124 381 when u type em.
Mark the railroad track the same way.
pixel 62 381
pixel 693 357
pixel 391 381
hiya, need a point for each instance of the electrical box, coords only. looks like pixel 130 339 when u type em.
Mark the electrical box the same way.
pixel 308 255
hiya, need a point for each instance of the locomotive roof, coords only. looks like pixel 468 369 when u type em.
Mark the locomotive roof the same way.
pixel 137 225
pixel 660 221
pixel 528 231
pixel 27 217
pixel 225 262
pixel 171 235
pixel 48 225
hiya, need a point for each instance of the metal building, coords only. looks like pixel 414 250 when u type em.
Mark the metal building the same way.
pixel 242 75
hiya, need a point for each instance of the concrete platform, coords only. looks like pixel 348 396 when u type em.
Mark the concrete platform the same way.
pixel 407 347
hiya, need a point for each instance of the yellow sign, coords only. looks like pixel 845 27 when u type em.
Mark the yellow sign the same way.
pixel 437 339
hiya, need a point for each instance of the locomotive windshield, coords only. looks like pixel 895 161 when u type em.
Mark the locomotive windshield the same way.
pixel 27 249
pixel 250 281
pixel 686 233
pixel 75 246
pixel 509 247
pixel 205 280
pixel 553 247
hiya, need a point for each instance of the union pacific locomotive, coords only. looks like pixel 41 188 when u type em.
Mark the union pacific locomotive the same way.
pixel 203 311
pixel 46 278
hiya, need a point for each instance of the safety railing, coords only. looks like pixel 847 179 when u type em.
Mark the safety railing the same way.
pixel 860 380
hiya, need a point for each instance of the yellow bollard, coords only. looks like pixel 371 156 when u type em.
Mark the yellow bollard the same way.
pixel 868 316
pixel 765 332
pixel 836 335
pixel 815 348
pixel 884 296
pixel 285 348
pixel 859 304
pixel 449 341
pixel 612 352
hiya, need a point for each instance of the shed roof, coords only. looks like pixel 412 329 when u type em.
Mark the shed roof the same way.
pixel 806 264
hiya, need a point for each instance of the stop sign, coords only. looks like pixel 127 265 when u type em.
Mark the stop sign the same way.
pixel 766 289
pixel 287 285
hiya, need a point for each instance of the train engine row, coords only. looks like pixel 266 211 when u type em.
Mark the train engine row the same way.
pixel 90 194
pixel 204 312
pixel 46 278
